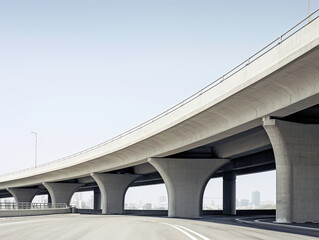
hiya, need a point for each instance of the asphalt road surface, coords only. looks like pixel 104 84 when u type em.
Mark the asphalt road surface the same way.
pixel 74 226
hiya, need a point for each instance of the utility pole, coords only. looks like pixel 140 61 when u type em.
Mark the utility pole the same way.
pixel 36 148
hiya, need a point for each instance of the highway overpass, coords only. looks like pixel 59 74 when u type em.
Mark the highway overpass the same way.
pixel 262 115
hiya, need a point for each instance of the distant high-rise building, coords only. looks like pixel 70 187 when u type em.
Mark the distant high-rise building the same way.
pixel 147 206
pixel 244 202
pixel 255 196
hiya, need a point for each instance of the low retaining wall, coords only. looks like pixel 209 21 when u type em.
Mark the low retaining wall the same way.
pixel 88 211
pixel 33 212
pixel 146 212
pixel 243 212
pixel 247 212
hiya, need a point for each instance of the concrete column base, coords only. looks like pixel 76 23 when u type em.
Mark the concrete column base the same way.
pixel 296 149
pixel 185 181
pixel 24 194
pixel 113 188
pixel 61 192
pixel 229 193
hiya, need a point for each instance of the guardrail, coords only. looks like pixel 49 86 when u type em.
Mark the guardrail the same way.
pixel 30 206
pixel 224 77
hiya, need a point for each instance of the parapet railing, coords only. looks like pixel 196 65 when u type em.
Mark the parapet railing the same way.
pixel 224 77
pixel 30 206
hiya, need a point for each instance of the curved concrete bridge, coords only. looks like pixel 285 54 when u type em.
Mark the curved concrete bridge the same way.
pixel 263 114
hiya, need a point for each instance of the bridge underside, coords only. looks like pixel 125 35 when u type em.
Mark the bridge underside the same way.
pixel 263 117
pixel 248 152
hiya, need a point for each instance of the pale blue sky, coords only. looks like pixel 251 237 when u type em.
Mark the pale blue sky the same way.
pixel 80 72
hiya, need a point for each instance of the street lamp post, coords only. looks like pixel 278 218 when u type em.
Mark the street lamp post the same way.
pixel 36 148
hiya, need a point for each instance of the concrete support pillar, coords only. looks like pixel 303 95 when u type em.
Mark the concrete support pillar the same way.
pixel 229 193
pixel 97 199
pixel 113 188
pixel 296 149
pixel 185 181
pixel 61 192
pixel 49 198
pixel 24 194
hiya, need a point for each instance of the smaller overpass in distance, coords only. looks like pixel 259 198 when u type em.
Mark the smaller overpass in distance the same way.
pixel 262 115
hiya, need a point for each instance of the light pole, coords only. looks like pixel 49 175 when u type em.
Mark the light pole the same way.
pixel 36 148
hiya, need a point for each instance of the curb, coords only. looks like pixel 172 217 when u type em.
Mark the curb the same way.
pixel 260 222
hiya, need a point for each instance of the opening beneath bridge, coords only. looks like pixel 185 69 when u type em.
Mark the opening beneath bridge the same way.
pixel 43 198
pixel 213 195
pixel 150 197
pixel 83 200
pixel 256 191
pixel 7 200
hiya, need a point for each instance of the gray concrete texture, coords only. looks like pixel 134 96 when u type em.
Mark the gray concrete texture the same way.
pixel 24 194
pixel 61 192
pixel 33 212
pixel 185 181
pixel 113 188
pixel 73 226
pixel 97 199
pixel 229 193
pixel 296 148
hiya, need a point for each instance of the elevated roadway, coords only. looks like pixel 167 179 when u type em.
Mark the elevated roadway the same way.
pixel 248 119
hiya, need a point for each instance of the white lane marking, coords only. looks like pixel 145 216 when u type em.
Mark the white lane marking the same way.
pixel 181 230
pixel 283 225
pixel 196 233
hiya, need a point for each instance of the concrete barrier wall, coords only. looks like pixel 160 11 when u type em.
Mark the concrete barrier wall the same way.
pixel 243 212
pixel 20 213
pixel 205 212
pixel 88 211
pixel 146 212
pixel 26 212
